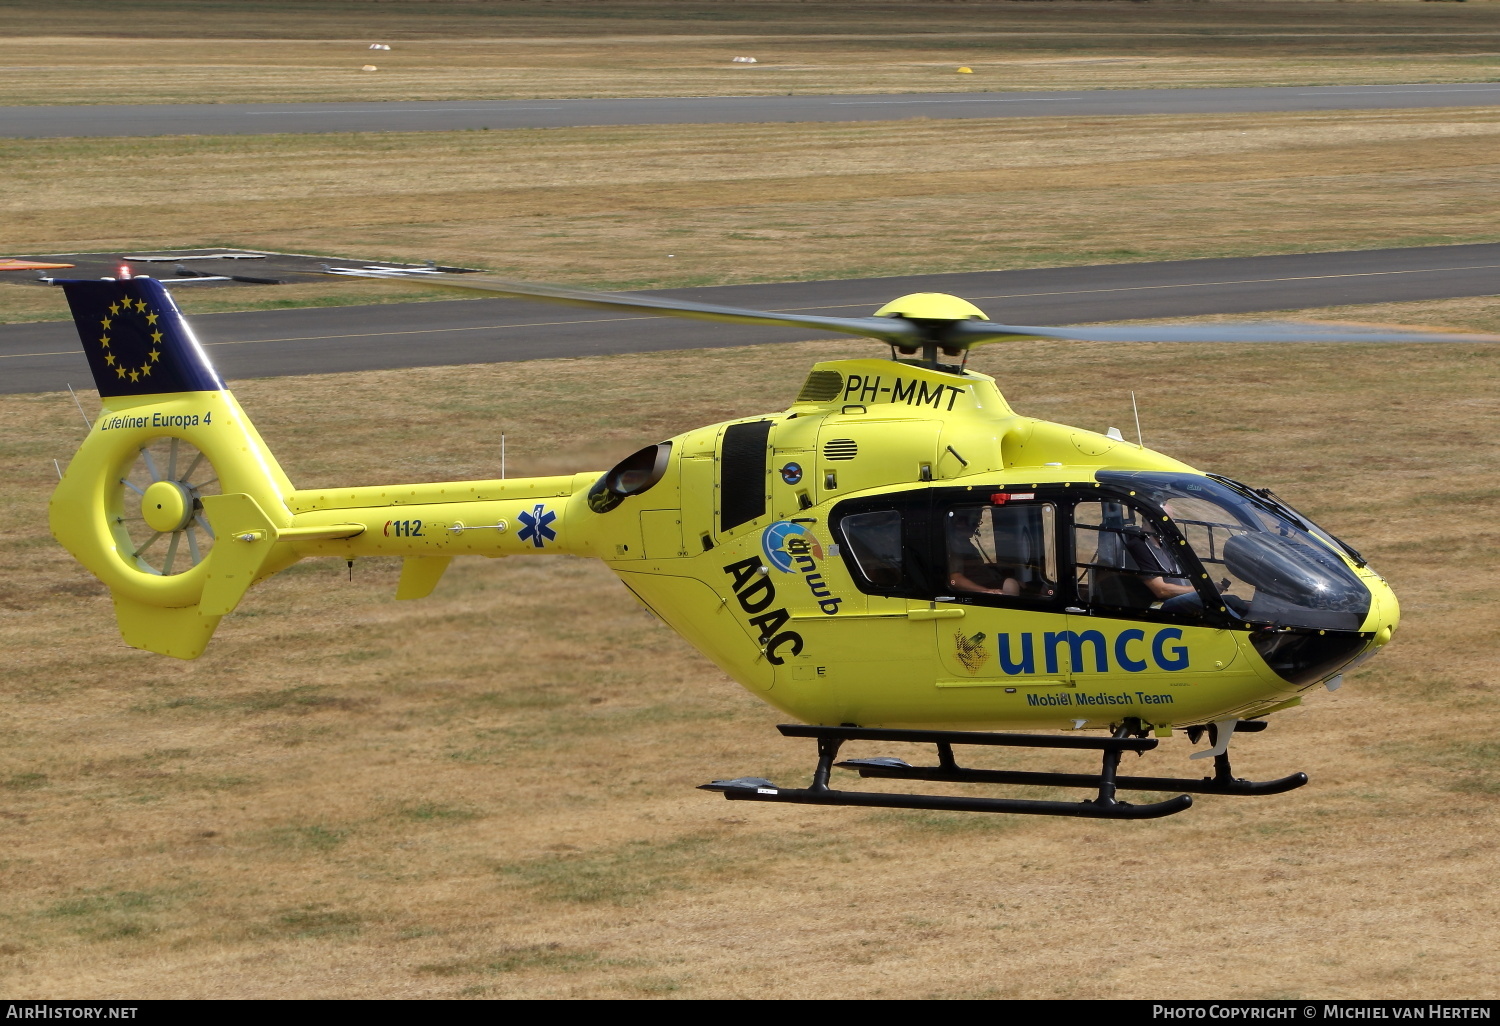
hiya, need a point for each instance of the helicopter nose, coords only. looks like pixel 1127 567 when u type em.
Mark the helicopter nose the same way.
pixel 1380 626
pixel 1385 612
pixel 1307 656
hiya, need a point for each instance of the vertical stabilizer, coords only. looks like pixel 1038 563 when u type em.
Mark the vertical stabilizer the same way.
pixel 136 340
pixel 171 474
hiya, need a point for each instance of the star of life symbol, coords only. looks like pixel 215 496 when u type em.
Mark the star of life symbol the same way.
pixel 536 528
pixel 126 308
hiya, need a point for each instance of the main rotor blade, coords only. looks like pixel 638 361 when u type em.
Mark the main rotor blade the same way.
pixel 964 334
pixel 888 329
pixel 898 331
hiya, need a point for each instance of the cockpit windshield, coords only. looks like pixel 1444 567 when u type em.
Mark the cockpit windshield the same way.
pixel 1266 567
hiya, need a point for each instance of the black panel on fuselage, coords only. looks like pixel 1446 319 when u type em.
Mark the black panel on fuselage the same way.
pixel 742 473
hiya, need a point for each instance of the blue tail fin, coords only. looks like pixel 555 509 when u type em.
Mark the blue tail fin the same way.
pixel 136 340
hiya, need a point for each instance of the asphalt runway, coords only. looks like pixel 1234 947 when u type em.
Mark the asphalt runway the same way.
pixel 447 116
pixel 46 357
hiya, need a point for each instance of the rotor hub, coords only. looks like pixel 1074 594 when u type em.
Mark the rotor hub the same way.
pixel 931 306
pixel 166 506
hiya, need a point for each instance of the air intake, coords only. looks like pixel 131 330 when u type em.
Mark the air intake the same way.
pixel 821 386
pixel 840 449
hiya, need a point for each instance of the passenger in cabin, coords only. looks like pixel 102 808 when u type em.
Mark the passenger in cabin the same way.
pixel 969 569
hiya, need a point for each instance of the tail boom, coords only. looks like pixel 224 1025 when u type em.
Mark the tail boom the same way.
pixel 127 504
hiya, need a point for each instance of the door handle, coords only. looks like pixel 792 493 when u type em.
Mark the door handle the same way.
pixel 948 613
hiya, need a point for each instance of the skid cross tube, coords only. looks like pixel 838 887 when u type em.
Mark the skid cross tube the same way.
pixel 828 750
pixel 1224 781
pixel 1109 770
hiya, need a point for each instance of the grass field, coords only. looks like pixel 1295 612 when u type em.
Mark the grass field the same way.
pixel 490 792
pixel 71 70
pixel 1082 24
pixel 691 205
pixel 157 51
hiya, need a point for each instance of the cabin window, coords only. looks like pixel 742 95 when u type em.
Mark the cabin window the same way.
pixel 874 541
pixel 1003 551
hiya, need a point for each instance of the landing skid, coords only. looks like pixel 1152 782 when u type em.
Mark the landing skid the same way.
pixel 1127 738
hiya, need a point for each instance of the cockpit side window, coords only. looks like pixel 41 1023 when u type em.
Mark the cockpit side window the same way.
pixel 1124 561
pixel 874 541
pixel 1005 551
pixel 1209 529
pixel 1266 567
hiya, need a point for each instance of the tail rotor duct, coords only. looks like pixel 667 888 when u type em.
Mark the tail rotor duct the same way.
pixel 157 507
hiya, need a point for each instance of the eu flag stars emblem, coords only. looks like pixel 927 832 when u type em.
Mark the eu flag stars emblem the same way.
pixel 136 340
pixel 121 313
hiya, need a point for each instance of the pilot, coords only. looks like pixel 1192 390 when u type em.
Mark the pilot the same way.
pixel 968 570
pixel 1176 594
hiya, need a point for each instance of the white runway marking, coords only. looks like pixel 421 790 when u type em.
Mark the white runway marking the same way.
pixel 890 103
pixel 391 110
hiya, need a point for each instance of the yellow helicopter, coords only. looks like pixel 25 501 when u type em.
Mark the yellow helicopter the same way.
pixel 898 556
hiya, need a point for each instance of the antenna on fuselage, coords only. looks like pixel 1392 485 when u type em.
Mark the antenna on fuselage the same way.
pixel 77 402
pixel 1135 410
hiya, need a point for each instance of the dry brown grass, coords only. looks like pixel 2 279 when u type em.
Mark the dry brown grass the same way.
pixel 489 792
pixel 1303 25
pixel 158 51
pixel 72 70
pixel 685 205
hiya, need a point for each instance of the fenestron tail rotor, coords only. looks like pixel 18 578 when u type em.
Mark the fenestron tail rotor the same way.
pixel 157 507
pixel 926 322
